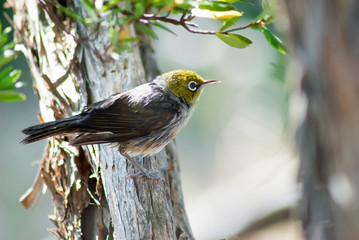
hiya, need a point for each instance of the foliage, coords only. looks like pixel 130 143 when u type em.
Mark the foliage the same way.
pixel 145 14
pixel 8 76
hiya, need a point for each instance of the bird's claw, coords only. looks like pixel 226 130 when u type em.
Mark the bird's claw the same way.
pixel 148 174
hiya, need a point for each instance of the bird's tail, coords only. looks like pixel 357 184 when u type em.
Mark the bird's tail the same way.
pixel 45 130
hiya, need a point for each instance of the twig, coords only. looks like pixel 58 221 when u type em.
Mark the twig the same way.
pixel 258 23
pixel 54 91
pixel 61 26
pixel 185 23
pixel 9 20
pixel 63 78
pixel 58 23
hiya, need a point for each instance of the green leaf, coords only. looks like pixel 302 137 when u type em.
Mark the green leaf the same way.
pixel 140 8
pixel 110 10
pixel 6 56
pixel 15 75
pixel 8 82
pixel 229 22
pixel 11 96
pixel 90 8
pixel 183 8
pixel 8 76
pixel 230 1
pixel 234 40
pixel 265 15
pixel 5 72
pixel 113 6
pixel 89 5
pixel 273 40
pixel 160 4
pixel 250 2
pixel 9 45
pixel 146 30
pixel 72 14
pixel 157 24
pixel 257 27
pixel 3 39
pixel 216 6
pixel 7 30
pixel 265 4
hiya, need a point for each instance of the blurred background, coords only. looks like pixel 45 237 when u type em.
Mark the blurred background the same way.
pixel 236 154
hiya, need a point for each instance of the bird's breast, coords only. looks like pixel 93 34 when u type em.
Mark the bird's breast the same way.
pixel 153 143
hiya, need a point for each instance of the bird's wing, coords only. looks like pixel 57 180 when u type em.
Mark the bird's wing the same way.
pixel 122 117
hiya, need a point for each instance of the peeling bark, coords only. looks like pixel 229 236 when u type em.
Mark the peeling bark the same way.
pixel 92 196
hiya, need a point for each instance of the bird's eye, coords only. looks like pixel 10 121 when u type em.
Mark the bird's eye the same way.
pixel 192 86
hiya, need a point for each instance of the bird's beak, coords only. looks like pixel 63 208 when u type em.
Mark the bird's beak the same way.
pixel 209 82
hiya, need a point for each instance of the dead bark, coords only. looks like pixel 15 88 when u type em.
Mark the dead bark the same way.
pixel 92 196
pixel 325 38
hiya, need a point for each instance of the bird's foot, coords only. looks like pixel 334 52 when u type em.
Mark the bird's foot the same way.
pixel 147 174
pixel 144 172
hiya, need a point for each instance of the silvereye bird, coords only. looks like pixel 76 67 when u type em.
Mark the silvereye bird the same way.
pixel 142 120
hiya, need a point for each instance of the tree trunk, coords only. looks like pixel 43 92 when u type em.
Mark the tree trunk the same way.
pixel 92 196
pixel 326 46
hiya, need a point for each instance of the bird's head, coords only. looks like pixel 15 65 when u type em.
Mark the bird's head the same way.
pixel 187 85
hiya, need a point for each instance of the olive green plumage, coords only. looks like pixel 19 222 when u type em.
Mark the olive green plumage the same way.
pixel 141 121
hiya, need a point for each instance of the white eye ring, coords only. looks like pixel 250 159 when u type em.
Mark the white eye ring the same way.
pixel 192 86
